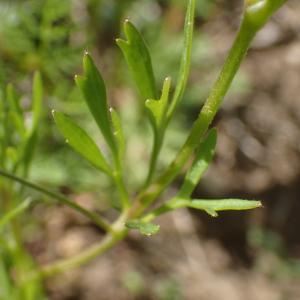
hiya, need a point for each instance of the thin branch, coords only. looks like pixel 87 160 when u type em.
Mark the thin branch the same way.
pixel 60 198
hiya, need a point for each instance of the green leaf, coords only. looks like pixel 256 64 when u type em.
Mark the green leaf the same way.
pixel 6 285
pixel 15 112
pixel 93 89
pixel 144 228
pixel 37 97
pixel 185 63
pixel 139 61
pixel 30 141
pixel 81 141
pixel 118 131
pixel 203 159
pixel 212 206
pixel 14 213
pixel 13 100
pixel 158 108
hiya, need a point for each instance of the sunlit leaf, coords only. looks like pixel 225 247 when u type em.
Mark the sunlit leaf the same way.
pixel 80 141
pixel 93 89
pixel 139 61
pixel 202 161
pixel 158 108
pixel 185 59
pixel 213 206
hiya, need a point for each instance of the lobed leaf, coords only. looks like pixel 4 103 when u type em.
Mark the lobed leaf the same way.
pixel 145 228
pixel 158 108
pixel 213 206
pixel 92 86
pixel 139 61
pixel 81 142
pixel 203 159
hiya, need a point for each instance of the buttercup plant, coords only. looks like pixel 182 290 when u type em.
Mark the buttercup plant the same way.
pixel 136 209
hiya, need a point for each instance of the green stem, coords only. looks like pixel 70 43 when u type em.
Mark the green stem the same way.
pixel 84 257
pixel 184 71
pixel 157 144
pixel 120 231
pixel 122 190
pixel 208 112
pixel 210 108
pixel 62 199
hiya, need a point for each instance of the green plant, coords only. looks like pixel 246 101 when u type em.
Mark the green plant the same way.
pixel 19 132
pixel 135 208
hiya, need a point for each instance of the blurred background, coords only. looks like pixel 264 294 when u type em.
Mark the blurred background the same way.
pixel 252 255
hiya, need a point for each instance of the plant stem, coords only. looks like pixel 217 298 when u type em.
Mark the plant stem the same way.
pixel 253 21
pixel 184 71
pixel 122 190
pixel 157 144
pixel 62 199
pixel 207 113
pixel 111 239
pixel 84 257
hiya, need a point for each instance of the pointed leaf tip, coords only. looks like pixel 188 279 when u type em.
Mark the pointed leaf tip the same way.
pixel 94 91
pixel 139 61
pixel 80 141
pixel 159 108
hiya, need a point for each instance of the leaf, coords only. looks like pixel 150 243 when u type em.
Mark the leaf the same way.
pixel 158 108
pixel 138 59
pixel 13 99
pixel 14 213
pixel 32 133
pixel 144 227
pixel 93 89
pixel 203 159
pixel 212 206
pixel 185 63
pixel 118 131
pixel 37 97
pixel 15 111
pixel 81 142
pixel 6 285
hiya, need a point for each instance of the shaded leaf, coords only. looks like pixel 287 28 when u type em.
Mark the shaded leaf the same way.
pixel 32 133
pixel 118 131
pixel 93 89
pixel 139 61
pixel 14 213
pixel 202 161
pixel 15 111
pixel 37 97
pixel 81 141
pixel 144 228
